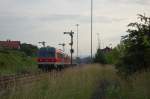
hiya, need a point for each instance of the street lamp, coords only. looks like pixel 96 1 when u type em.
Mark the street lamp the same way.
pixel 91 27
pixel 77 40
pixel 71 43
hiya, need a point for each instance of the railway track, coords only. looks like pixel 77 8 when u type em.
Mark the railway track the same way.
pixel 7 82
pixel 11 81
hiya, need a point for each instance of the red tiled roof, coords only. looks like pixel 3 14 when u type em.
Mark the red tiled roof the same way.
pixel 10 44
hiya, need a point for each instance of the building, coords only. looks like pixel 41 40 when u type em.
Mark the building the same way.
pixel 106 50
pixel 10 44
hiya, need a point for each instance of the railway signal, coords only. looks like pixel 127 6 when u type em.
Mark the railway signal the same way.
pixel 71 43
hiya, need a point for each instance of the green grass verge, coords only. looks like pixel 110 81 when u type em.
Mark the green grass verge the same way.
pixel 84 83
pixel 73 83
pixel 13 62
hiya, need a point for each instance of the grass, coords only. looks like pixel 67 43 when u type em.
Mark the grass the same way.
pixel 136 87
pixel 86 82
pixel 72 83
pixel 13 62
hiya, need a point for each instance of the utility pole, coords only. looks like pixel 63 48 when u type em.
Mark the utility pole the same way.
pixel 43 43
pixel 71 44
pixel 91 28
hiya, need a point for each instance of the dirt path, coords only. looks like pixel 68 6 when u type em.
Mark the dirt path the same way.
pixel 101 91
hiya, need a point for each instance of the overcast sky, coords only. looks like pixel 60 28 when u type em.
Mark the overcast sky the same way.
pixel 32 21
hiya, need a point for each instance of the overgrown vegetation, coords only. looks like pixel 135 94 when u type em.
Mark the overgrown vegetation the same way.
pixel 100 57
pixel 136 53
pixel 29 49
pixel 88 82
pixel 13 62
pixel 133 53
pixel 72 83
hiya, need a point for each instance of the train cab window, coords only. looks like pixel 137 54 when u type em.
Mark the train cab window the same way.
pixel 46 54
pixel 51 54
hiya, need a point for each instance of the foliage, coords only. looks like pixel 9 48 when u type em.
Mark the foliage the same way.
pixel 137 87
pixel 136 53
pixel 113 56
pixel 100 57
pixel 72 83
pixel 87 82
pixel 14 62
pixel 29 49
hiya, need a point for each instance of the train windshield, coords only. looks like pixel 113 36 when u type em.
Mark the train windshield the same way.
pixel 45 53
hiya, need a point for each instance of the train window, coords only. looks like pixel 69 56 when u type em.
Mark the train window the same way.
pixel 51 54
pixel 44 53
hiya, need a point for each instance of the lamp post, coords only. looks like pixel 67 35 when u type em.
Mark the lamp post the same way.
pixel 77 40
pixel 71 43
pixel 91 28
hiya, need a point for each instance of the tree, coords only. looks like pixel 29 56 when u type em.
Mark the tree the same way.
pixel 137 47
pixel 113 56
pixel 100 57
pixel 29 49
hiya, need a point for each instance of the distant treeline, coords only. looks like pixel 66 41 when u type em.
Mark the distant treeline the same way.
pixel 29 49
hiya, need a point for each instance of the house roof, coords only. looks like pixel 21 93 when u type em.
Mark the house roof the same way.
pixel 10 44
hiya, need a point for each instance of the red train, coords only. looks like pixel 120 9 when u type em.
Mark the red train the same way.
pixel 52 58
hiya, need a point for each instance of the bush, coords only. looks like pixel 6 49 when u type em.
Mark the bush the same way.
pixel 100 57
pixel 136 53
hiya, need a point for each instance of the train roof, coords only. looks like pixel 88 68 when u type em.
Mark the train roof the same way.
pixel 48 48
pixel 52 49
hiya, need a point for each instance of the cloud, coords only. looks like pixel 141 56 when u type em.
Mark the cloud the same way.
pixel 139 2
pixel 28 24
pixel 34 20
pixel 58 17
pixel 106 19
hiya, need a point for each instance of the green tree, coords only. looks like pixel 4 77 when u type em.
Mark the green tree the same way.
pixel 29 49
pixel 136 55
pixel 100 57
pixel 113 56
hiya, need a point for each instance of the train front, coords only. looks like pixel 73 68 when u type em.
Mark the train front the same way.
pixel 46 58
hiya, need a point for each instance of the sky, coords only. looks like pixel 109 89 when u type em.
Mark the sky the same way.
pixel 32 21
